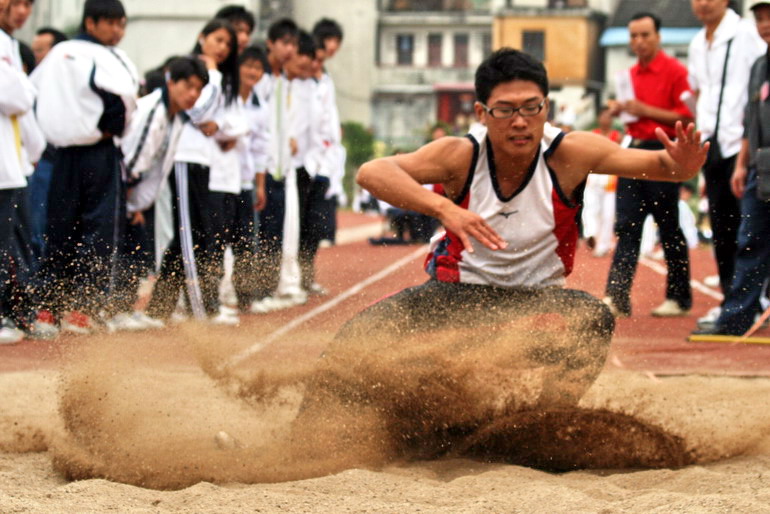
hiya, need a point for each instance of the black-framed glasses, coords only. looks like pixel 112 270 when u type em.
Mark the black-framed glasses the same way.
pixel 505 112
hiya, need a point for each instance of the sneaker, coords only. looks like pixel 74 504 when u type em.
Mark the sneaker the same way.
pixel 276 303
pixel 616 312
pixel 178 317
pixel 711 281
pixel 317 289
pixel 9 332
pixel 669 309
pixel 124 322
pixel 710 319
pixel 148 321
pixel 44 327
pixel 229 311
pixel 225 319
pixel 77 323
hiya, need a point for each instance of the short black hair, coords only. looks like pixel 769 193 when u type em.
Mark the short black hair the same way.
pixel 254 53
pixel 181 68
pixel 58 35
pixel 282 28
pixel 306 44
pixel 324 29
pixel 102 9
pixel 236 13
pixel 643 14
pixel 505 65
pixel 27 57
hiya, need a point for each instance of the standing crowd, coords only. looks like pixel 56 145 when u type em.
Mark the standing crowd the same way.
pixel 106 178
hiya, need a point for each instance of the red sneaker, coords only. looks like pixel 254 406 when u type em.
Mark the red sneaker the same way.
pixel 77 323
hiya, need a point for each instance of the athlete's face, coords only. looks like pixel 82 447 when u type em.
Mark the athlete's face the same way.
pixel 517 137
pixel 762 17
pixel 243 32
pixel 184 92
pixel 16 14
pixel 217 45
pixel 645 40
pixel 282 50
pixel 709 11
pixel 108 31
pixel 251 72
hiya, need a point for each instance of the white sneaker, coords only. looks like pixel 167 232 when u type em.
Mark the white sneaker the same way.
pixel 178 317
pixel 276 303
pixel 229 311
pixel 617 313
pixel 9 333
pixel 669 309
pixel 224 319
pixel 317 289
pixel 148 321
pixel 710 319
pixel 124 322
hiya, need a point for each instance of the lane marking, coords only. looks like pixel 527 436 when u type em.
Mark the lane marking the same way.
pixel 695 284
pixel 296 322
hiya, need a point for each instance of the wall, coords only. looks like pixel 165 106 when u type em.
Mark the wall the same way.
pixel 567 41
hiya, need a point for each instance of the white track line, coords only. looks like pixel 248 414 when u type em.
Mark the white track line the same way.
pixel 699 286
pixel 271 338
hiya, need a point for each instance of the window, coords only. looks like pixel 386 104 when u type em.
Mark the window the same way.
pixel 404 49
pixel 434 49
pixel 533 43
pixel 461 50
pixel 562 4
pixel 486 45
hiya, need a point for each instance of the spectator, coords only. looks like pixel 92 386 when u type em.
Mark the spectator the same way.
pixel 659 82
pixel 719 60
pixel 752 169
pixel 45 39
pixel 87 191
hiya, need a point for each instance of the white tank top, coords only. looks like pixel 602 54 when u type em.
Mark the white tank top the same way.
pixel 538 222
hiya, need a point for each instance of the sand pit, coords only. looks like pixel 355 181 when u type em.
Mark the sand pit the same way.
pixel 132 416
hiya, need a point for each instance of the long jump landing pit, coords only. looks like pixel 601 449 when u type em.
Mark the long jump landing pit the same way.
pixel 146 407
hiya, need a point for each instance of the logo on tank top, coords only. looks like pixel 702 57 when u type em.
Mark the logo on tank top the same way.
pixel 507 215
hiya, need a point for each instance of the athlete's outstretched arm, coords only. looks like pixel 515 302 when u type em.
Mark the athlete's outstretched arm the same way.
pixel 397 180
pixel 681 159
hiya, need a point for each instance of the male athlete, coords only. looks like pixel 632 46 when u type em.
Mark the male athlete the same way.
pixel 440 360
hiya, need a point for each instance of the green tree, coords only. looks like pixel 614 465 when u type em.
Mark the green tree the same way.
pixel 359 144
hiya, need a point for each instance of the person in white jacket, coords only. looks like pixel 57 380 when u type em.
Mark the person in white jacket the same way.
pixel 86 96
pixel 149 147
pixel 191 258
pixel 253 152
pixel 17 96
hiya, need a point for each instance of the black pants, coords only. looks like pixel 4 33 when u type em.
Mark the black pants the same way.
pixel 191 261
pixel 270 238
pixel 576 349
pixel 136 260
pixel 86 207
pixel 725 216
pixel 635 200
pixel 16 258
pixel 314 222
pixel 242 238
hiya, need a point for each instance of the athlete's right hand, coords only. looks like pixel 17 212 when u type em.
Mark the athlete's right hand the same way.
pixel 466 225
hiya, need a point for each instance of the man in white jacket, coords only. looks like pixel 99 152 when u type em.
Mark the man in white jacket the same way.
pixel 17 96
pixel 149 146
pixel 87 95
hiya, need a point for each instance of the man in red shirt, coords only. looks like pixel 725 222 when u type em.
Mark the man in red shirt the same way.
pixel 659 83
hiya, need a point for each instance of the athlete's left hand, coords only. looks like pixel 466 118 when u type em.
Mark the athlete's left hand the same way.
pixel 686 151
